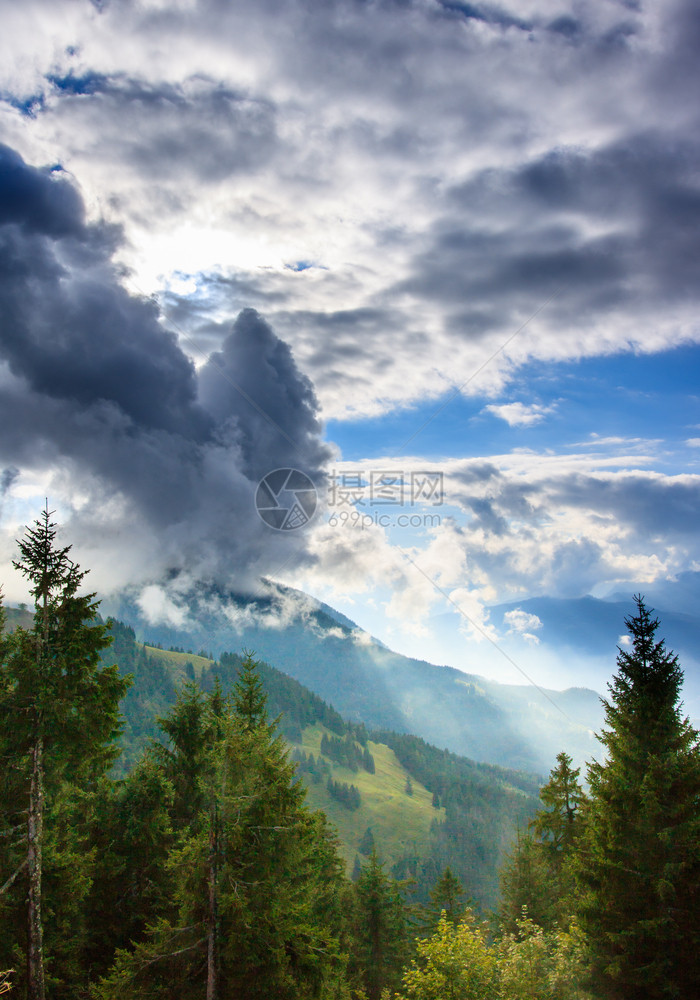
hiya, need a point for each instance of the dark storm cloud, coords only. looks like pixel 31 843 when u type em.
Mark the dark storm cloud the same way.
pixel 485 13
pixel 40 200
pixel 199 127
pixel 254 381
pixel 89 377
pixel 650 507
pixel 525 233
pixel 8 477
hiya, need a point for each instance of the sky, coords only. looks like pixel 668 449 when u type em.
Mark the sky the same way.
pixel 439 257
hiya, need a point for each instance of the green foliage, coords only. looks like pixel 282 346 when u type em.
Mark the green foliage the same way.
pixel 534 964
pixel 484 804
pixel 638 864
pixel 483 808
pixel 446 896
pixel 347 753
pixel 132 837
pixel 538 873
pixel 53 687
pixel 456 962
pixel 59 717
pixel 460 963
pixel 528 881
pixel 558 823
pixel 347 795
pixel 381 938
pixel 367 844
pixel 249 698
pixel 254 879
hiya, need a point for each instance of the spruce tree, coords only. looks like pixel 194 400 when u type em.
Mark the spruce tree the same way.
pixel 58 716
pixel 537 875
pixel 255 908
pixel 558 824
pixel 381 947
pixel 638 861
pixel 446 897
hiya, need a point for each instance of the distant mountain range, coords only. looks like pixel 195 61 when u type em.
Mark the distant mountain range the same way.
pixel 590 627
pixel 514 726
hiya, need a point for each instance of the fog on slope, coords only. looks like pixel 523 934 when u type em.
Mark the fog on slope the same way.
pixel 573 642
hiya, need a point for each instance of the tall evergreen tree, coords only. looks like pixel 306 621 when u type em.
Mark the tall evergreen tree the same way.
pixel 558 824
pixel 255 909
pixel 639 856
pixel 381 946
pixel 537 875
pixel 446 896
pixel 58 711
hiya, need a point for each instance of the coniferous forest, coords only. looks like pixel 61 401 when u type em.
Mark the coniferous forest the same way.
pixel 173 853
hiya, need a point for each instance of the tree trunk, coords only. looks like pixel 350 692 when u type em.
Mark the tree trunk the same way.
pixel 212 956
pixel 35 823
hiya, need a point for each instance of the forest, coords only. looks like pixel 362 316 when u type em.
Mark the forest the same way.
pixel 175 855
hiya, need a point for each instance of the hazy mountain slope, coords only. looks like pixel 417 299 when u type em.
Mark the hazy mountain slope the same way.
pixel 426 808
pixel 587 626
pixel 509 725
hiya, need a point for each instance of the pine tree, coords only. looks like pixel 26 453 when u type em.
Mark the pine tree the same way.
pixel 638 862
pixel 446 897
pixel 558 824
pixel 58 711
pixel 249 698
pixel 131 836
pixel 255 908
pixel 381 939
pixel 367 844
pixel 537 875
pixel 527 880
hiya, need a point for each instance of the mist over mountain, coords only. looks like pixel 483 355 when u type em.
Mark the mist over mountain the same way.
pixel 588 627
pixel 511 725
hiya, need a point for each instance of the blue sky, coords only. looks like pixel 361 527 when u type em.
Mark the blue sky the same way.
pixel 626 396
pixel 353 237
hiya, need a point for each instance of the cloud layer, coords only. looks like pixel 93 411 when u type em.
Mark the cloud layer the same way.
pixel 164 459
pixel 400 186
pixel 343 209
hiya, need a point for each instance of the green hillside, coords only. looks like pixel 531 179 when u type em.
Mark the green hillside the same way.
pixel 400 822
pixel 517 726
pixel 179 663
pixel 478 807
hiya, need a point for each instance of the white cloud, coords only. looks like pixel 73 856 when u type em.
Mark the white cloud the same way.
pixel 517 526
pixel 471 200
pixel 522 623
pixel 520 414
pixel 159 608
pixel 455 179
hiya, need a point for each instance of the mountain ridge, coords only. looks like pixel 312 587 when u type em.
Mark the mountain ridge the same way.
pixel 509 725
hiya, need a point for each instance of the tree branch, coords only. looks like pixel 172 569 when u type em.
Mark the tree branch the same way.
pixel 12 878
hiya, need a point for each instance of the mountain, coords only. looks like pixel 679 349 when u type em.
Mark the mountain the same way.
pixel 510 725
pixel 593 628
pixel 423 808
